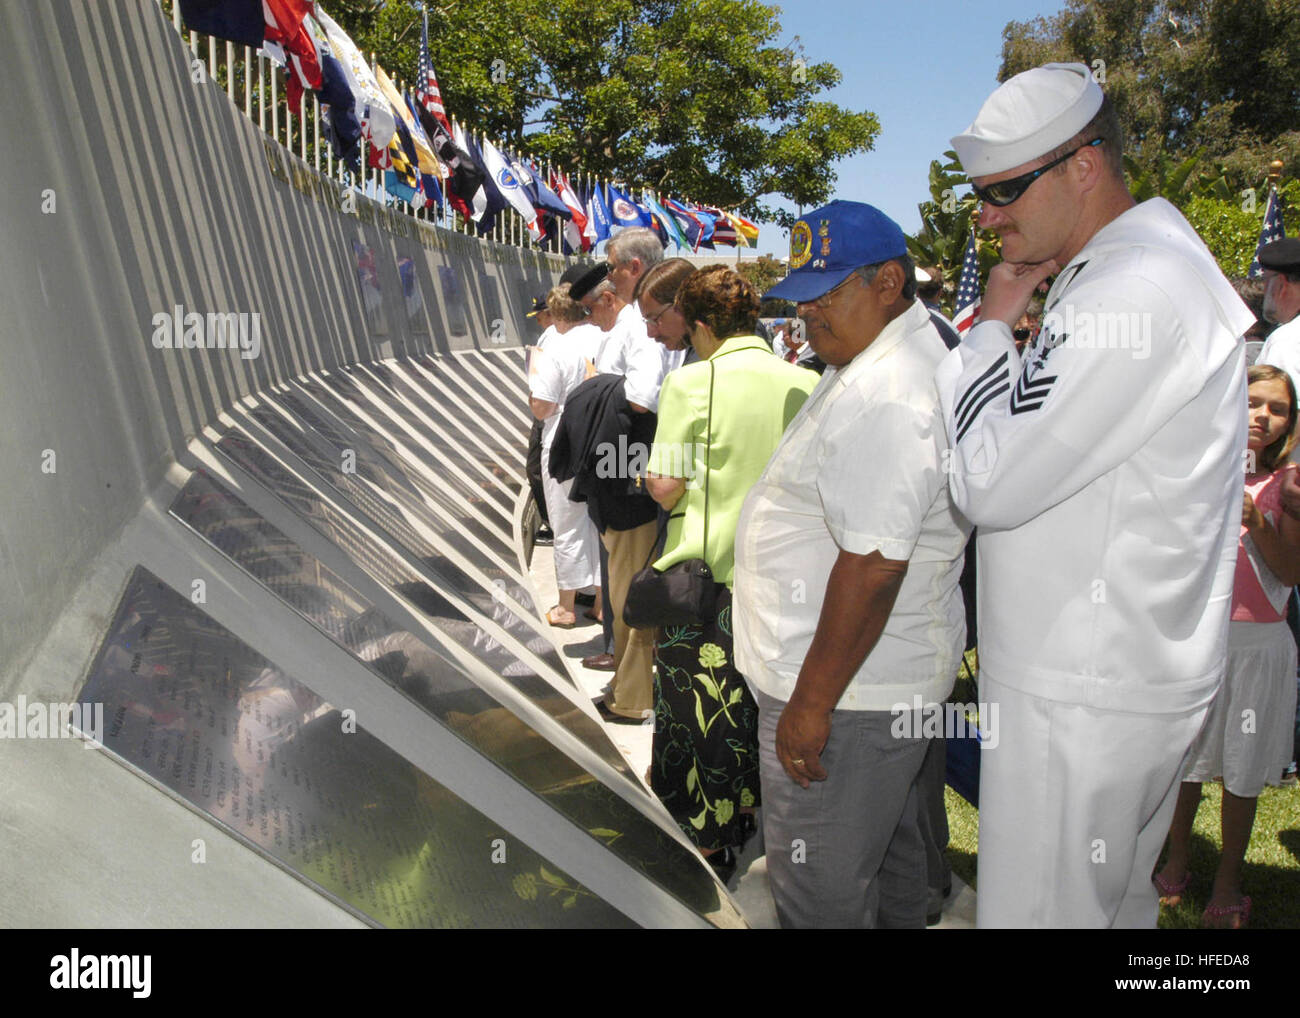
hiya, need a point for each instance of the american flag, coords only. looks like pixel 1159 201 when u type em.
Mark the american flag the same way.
pixel 426 84
pixel 968 290
pixel 1272 230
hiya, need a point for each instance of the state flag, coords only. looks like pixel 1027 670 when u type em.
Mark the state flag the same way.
pixel 240 21
pixel 576 229
pixel 599 217
pixel 723 230
pixel 373 111
pixel 624 211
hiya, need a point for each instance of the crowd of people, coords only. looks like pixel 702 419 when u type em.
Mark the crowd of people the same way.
pixel 1085 438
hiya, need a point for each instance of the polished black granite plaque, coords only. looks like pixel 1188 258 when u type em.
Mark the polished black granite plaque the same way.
pixel 204 716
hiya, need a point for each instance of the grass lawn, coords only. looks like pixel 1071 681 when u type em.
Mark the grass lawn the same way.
pixel 1271 876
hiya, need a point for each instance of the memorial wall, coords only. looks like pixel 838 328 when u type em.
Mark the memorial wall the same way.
pixel 263 446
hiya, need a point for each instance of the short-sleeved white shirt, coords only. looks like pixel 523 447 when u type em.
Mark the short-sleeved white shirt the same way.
pixel 559 369
pixel 628 351
pixel 859 469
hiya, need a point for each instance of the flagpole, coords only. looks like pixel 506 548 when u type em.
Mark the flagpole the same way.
pixel 315 136
pixel 275 106
pixel 248 83
pixel 261 91
pixel 230 70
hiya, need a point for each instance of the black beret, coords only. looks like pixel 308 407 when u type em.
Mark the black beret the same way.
pixel 575 272
pixel 589 280
pixel 1282 255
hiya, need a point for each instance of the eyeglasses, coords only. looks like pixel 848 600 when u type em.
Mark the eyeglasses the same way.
pixel 1004 192
pixel 824 301
pixel 654 318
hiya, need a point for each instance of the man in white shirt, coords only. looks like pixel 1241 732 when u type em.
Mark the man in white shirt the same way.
pixel 846 607
pixel 1104 472
pixel 627 351
pixel 1281 263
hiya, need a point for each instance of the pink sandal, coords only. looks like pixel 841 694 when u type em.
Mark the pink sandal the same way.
pixel 1241 908
pixel 1170 888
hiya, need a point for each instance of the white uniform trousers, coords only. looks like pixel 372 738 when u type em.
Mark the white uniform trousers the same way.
pixel 577 562
pixel 1075 804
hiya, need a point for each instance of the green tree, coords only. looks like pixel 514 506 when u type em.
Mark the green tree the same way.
pixel 946 221
pixel 1218 75
pixel 763 272
pixel 693 97
pixel 1230 225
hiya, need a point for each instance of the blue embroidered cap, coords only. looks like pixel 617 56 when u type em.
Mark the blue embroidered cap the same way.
pixel 828 243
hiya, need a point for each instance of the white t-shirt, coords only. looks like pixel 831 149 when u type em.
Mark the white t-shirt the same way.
pixel 559 369
pixel 860 468
pixel 628 351
pixel 1104 472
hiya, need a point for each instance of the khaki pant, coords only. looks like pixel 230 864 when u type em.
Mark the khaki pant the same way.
pixel 631 691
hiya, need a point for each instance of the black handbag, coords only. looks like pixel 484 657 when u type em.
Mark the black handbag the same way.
pixel 685 593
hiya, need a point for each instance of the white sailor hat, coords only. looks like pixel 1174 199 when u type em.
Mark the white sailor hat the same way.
pixel 1028 116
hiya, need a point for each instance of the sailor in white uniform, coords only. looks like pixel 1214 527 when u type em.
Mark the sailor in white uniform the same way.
pixel 1104 474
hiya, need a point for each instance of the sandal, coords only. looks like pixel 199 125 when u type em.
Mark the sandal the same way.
pixel 550 618
pixel 1215 912
pixel 1171 888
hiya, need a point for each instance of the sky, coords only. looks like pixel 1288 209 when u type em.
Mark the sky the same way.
pixel 923 69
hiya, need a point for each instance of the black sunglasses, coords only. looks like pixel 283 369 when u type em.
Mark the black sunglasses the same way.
pixel 1004 192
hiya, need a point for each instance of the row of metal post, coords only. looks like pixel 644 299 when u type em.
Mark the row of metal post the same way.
pixel 508 229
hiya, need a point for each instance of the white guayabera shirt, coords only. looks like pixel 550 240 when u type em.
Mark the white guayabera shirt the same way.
pixel 860 468
pixel 1105 473
pixel 628 351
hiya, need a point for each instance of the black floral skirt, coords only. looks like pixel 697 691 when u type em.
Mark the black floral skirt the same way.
pixel 704 760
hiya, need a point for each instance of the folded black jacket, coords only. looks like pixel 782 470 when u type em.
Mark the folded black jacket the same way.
pixel 597 431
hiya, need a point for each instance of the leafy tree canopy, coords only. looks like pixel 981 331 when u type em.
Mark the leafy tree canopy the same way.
pixel 1221 76
pixel 694 97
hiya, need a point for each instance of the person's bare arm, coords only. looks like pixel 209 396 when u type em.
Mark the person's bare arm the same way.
pixel 1279 546
pixel 665 490
pixel 860 594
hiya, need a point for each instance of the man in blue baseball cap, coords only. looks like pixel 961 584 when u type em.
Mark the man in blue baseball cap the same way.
pixel 847 614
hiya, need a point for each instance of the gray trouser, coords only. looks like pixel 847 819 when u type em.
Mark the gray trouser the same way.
pixel 847 851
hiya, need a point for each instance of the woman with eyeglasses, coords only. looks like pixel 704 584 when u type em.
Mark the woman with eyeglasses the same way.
pixel 719 421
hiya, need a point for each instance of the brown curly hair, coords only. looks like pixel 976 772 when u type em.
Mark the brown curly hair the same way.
pixel 722 299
